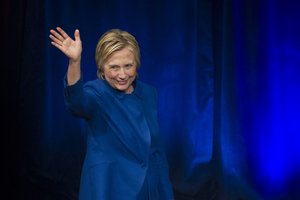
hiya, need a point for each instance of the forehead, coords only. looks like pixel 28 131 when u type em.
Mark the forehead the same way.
pixel 121 55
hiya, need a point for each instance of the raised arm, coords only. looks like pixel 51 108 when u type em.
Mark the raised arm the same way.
pixel 71 48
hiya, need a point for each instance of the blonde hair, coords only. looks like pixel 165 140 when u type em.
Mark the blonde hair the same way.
pixel 111 41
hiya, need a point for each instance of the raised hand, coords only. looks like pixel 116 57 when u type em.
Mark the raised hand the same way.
pixel 71 48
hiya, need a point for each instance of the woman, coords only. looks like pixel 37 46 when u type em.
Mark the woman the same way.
pixel 125 158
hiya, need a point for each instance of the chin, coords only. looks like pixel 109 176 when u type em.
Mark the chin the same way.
pixel 122 88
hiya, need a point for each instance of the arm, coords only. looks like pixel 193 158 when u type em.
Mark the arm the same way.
pixel 71 48
pixel 78 102
pixel 79 99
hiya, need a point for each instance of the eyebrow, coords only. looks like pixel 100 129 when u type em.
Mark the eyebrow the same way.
pixel 116 65
pixel 113 65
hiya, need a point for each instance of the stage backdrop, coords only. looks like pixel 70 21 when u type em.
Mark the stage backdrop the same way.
pixel 227 76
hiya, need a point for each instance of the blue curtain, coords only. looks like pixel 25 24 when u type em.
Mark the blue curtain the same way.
pixel 259 113
pixel 226 72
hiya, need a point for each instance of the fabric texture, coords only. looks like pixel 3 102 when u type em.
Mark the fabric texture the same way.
pixel 125 157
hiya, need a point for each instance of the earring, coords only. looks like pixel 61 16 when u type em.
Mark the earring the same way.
pixel 102 76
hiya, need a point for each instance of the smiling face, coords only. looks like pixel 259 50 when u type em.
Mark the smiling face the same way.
pixel 120 70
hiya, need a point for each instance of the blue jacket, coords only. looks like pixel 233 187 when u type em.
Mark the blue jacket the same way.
pixel 124 148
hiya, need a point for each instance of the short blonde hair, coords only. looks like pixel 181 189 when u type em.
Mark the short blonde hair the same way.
pixel 111 41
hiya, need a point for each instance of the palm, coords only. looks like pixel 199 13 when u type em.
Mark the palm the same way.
pixel 71 48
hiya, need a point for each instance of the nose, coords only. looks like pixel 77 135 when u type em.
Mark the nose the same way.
pixel 122 73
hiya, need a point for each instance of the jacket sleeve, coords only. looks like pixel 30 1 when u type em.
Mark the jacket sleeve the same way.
pixel 78 100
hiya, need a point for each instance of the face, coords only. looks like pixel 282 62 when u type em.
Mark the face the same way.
pixel 120 70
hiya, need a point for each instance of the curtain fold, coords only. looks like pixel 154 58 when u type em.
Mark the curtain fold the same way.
pixel 226 72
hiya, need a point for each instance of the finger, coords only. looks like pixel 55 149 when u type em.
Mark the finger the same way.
pixel 56 35
pixel 77 35
pixel 57 46
pixel 62 32
pixel 55 40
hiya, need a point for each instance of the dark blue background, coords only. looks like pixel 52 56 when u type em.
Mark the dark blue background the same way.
pixel 227 75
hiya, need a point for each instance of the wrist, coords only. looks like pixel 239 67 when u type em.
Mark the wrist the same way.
pixel 75 61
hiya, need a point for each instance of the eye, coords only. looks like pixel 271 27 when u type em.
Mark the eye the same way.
pixel 128 65
pixel 114 67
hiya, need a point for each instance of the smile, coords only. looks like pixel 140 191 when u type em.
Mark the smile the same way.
pixel 122 82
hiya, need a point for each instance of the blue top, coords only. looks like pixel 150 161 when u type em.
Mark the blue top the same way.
pixel 125 156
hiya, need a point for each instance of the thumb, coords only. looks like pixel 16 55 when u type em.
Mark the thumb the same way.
pixel 77 35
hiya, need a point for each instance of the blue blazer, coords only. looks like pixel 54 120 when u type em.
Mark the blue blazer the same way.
pixel 125 151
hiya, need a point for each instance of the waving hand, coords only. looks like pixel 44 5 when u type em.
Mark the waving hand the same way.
pixel 71 48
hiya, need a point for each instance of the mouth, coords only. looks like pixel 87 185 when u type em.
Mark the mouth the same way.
pixel 122 82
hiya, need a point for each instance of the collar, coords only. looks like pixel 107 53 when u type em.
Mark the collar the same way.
pixel 137 89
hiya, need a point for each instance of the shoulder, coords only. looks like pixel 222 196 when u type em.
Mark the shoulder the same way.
pixel 96 85
pixel 146 88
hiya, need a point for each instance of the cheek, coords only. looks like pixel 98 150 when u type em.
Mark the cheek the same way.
pixel 132 72
pixel 109 74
